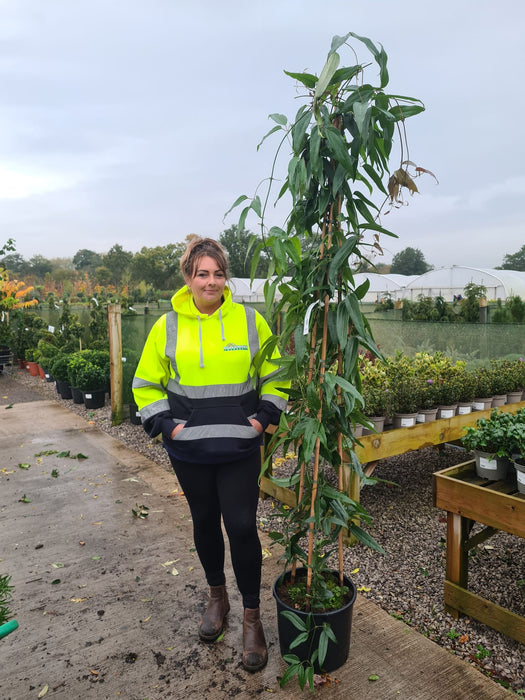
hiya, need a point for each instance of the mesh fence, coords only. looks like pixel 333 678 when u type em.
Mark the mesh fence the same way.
pixel 473 342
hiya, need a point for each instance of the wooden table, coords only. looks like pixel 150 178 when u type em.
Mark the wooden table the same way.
pixel 498 505
pixel 378 446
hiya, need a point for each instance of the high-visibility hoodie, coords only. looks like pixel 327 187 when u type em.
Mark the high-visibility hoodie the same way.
pixel 200 370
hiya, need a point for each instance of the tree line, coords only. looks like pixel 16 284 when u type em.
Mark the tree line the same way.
pixel 139 276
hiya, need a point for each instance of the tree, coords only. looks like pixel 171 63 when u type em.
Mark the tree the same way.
pixel 514 261
pixel 87 260
pixel 117 261
pixel 38 266
pixel 409 261
pixel 15 263
pixel 240 246
pixel 469 309
pixel 159 266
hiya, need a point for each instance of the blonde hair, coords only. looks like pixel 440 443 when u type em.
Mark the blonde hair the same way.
pixel 198 248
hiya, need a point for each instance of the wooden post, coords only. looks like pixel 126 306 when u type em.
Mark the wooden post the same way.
pixel 115 360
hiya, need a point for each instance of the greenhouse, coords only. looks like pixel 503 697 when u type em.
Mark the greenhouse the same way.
pixel 447 282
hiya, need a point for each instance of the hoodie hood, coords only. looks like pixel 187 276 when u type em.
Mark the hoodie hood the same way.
pixel 182 302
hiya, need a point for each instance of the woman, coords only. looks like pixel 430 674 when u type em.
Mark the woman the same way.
pixel 198 383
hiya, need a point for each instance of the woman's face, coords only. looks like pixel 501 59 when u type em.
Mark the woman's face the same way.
pixel 207 285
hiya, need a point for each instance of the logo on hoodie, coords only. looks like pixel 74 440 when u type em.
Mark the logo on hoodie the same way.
pixel 231 347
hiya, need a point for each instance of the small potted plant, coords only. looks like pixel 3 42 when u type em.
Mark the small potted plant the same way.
pixel 483 381
pixel 59 369
pixel 404 388
pixel 517 438
pixel 503 381
pixel 490 441
pixel 92 380
pixel 466 392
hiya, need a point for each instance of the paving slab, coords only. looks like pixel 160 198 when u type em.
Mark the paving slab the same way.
pixel 108 603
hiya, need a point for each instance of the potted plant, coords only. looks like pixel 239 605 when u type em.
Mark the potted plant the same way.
pixel 341 141
pixel 404 388
pixel 31 357
pixel 517 438
pixel 482 389
pixel 75 366
pixel 490 441
pixel 466 390
pixel 59 369
pixel 375 393
pixel 503 381
pixel 92 380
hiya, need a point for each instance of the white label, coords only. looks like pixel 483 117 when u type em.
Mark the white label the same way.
pixel 447 413
pixel 137 414
pixel 478 406
pixel 485 463
pixel 420 418
pixel 88 396
pixel 407 422
pixel 463 410
pixel 521 477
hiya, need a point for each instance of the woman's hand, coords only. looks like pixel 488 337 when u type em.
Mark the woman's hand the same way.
pixel 255 424
pixel 176 430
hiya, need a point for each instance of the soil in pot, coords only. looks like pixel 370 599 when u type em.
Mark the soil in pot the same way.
pixel 340 621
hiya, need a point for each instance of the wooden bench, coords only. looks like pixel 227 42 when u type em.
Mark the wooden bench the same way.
pixel 498 505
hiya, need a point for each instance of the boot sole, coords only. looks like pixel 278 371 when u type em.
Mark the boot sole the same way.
pixel 254 669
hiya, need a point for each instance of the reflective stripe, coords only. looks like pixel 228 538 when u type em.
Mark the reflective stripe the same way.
pixel 253 336
pixel 153 408
pixel 276 400
pixel 172 322
pixel 200 432
pixel 212 391
pixel 139 383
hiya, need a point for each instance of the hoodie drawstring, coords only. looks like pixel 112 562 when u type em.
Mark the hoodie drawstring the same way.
pixel 200 343
pixel 223 338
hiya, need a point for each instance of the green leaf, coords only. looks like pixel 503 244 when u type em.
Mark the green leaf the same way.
pixel 405 111
pixel 300 639
pixel 296 621
pixel 329 69
pixel 302 122
pixel 272 131
pixel 379 55
pixel 24 465
pixel 338 147
pixel 278 118
pixel 306 79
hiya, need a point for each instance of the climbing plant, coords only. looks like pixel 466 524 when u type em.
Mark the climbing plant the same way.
pixel 340 183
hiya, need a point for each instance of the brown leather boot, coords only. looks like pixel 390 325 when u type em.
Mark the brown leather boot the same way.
pixel 213 620
pixel 254 653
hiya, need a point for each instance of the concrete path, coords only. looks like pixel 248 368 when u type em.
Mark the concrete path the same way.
pixel 108 603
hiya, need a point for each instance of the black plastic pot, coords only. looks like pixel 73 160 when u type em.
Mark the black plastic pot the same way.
pixel 94 399
pixel 78 396
pixel 339 620
pixel 134 414
pixel 64 389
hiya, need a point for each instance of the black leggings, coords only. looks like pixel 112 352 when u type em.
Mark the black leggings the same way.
pixel 230 490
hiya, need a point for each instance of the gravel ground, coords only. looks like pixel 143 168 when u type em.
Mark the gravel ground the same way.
pixel 408 580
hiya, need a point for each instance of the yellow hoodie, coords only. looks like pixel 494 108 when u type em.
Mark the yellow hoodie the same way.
pixel 200 370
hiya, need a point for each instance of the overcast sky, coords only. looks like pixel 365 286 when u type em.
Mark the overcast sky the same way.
pixel 137 121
